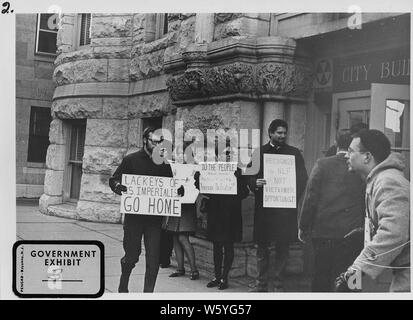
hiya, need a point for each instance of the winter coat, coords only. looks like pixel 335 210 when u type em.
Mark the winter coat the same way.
pixel 388 209
pixel 224 219
pixel 277 224
pixel 333 202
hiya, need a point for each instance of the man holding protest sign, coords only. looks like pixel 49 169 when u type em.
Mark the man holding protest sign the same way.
pixel 278 186
pixel 148 222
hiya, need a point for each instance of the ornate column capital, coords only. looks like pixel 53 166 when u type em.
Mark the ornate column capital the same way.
pixel 253 69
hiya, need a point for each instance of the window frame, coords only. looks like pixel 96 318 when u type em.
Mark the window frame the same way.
pixel 156 23
pixel 69 126
pixel 36 46
pixel 30 136
pixel 77 34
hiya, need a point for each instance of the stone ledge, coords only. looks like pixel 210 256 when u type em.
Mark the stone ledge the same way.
pixel 111 89
pixel 64 210
pixel 30 191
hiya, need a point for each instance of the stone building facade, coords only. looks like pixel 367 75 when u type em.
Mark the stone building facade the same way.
pixel 236 69
pixel 34 93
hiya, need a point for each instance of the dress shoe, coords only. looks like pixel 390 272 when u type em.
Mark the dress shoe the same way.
pixel 194 275
pixel 213 283
pixel 258 289
pixel 178 273
pixel 223 284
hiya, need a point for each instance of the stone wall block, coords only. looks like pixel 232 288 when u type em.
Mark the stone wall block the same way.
pixel 108 43
pixel 95 187
pixel 53 183
pixel 103 160
pixel 118 70
pixel 56 132
pixel 55 157
pixel 77 108
pixel 186 33
pixel 115 108
pixel 115 27
pixel 134 133
pixel 104 132
pixel 231 28
pixel 138 23
pixel 47 200
pixel 122 51
pixel 82 54
pixel 101 212
pixel 149 105
pixel 147 65
pixel 91 70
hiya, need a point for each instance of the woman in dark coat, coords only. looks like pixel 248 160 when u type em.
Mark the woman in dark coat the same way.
pixel 224 228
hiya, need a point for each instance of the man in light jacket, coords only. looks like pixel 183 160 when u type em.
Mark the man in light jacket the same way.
pixel 387 228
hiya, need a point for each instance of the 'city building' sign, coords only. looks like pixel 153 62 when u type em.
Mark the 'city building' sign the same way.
pixel 358 72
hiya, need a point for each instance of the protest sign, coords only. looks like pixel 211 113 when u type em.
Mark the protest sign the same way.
pixel 218 177
pixel 184 175
pixel 150 195
pixel 280 189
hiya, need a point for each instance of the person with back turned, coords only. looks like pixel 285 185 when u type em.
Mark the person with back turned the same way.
pixel 332 216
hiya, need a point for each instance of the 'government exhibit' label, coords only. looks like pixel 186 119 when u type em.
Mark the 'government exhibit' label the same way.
pixel 59 268
pixel 150 195
pixel 280 189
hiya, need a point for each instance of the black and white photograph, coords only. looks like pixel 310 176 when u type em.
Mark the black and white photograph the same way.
pixel 251 154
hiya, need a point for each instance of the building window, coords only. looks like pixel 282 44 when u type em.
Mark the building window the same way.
pixel 85 24
pixel 75 161
pixel 155 122
pixel 156 26
pixel 38 134
pixel 46 35
pixel 161 25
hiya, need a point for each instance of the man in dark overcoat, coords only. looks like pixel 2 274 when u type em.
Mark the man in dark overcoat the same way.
pixel 275 228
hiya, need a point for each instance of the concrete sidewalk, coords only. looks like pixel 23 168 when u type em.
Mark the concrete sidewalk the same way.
pixel 32 225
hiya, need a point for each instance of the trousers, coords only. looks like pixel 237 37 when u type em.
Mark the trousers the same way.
pixel 271 263
pixel 331 258
pixel 134 230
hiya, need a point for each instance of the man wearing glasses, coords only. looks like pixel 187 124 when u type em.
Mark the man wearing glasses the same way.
pixel 387 234
pixel 142 162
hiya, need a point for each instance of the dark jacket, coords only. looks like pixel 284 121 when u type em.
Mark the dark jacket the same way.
pixel 224 220
pixel 332 151
pixel 140 163
pixel 333 203
pixel 277 224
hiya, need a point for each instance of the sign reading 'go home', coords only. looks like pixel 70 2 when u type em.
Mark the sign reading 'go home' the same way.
pixel 150 195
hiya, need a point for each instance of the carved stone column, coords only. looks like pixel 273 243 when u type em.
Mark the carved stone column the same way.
pixel 271 110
